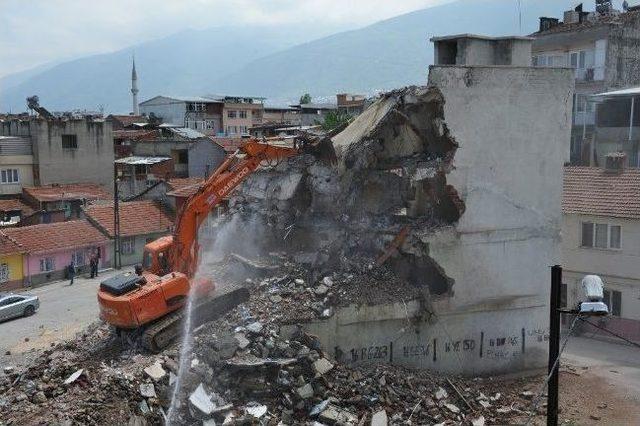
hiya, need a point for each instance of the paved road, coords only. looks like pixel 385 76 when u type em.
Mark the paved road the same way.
pixel 64 310
pixel 617 364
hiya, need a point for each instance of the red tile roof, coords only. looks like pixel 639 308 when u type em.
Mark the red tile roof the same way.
pixel 136 218
pixel 142 134
pixel 128 120
pixel 184 187
pixel 230 145
pixel 74 191
pixel 8 246
pixel 59 236
pixel 594 191
pixel 15 204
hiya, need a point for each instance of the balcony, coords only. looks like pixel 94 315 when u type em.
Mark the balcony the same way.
pixel 589 74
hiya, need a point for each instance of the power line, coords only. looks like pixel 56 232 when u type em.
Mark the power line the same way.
pixel 631 342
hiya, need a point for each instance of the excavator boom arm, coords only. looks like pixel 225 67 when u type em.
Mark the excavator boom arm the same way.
pixel 225 179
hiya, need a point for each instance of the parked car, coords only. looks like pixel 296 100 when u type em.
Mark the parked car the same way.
pixel 17 305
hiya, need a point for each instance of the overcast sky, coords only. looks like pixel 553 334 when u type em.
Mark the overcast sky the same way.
pixel 34 32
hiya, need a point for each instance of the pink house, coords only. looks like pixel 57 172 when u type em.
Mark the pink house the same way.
pixel 50 248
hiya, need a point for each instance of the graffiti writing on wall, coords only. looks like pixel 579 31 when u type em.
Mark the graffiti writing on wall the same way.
pixel 490 345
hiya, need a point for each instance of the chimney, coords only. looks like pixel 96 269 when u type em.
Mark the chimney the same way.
pixel 547 23
pixel 615 162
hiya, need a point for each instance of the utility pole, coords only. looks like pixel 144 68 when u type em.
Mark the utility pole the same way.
pixel 117 260
pixel 554 345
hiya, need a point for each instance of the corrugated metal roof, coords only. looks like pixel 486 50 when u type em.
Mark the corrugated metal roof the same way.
pixel 185 132
pixel 632 91
pixel 15 145
pixel 134 159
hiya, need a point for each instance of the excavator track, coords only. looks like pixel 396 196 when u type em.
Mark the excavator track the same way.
pixel 159 334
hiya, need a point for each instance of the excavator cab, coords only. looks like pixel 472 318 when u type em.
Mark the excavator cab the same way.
pixel 155 258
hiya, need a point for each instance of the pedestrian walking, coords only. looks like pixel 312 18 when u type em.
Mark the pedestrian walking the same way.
pixel 71 270
pixel 93 265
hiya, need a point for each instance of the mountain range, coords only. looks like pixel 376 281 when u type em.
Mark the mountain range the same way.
pixel 279 63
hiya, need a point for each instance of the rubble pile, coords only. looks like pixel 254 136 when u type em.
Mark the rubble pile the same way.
pixel 255 365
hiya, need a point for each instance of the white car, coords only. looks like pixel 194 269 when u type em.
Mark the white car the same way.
pixel 17 305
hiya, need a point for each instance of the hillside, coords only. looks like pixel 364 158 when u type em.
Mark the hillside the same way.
pixel 267 62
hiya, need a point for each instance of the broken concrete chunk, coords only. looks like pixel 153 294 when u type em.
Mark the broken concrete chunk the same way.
pixel 195 362
pixel 484 403
pixel 243 342
pixel 155 371
pixel 255 327
pixel 201 401
pixel 503 410
pixel 147 390
pixel 452 408
pixel 322 366
pixel 305 391
pixel 319 408
pixel 39 398
pixel 256 410
pixel 144 407
pixel 321 290
pixel 441 394
pixel 275 298
pixel 337 415
pixel 478 421
pixel 209 422
pixel 299 281
pixel 8 370
pixel 495 397
pixel 172 378
pixel 528 394
pixel 379 419
pixel 72 378
pixel 327 281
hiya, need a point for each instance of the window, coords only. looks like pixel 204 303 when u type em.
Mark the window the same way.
pixel 78 258
pixel 10 176
pixel 210 124
pixel 11 300
pixel 4 273
pixel 242 114
pixel 232 130
pixel 613 299
pixel 601 235
pixel 69 142
pixel 47 264
pixel 127 245
pixel 231 114
pixel 243 130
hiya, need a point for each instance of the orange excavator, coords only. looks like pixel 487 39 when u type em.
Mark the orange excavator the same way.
pixel 149 302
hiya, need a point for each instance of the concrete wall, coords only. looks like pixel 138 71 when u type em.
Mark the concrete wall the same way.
pixel 139 243
pixel 90 162
pixel 61 261
pixel 14 263
pixel 204 158
pixel 617 268
pixel 171 111
pixel 513 141
pixel 623 54
pixel 24 165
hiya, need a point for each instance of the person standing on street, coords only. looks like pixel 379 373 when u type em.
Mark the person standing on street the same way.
pixel 71 270
pixel 93 265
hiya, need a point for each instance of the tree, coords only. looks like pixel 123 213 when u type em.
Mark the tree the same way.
pixel 305 99
pixel 334 119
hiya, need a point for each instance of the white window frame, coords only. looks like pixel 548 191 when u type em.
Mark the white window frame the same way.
pixel 594 227
pixel 232 113
pixel 242 113
pixel 127 245
pixel 47 264
pixel 5 273
pixel 9 176
pixel 78 258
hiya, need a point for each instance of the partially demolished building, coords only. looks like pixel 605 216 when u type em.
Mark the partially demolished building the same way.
pixel 456 187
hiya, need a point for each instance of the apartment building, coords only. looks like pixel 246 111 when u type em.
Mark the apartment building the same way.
pixel 602 47
pixel 212 115
pixel 73 149
pixel 601 236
